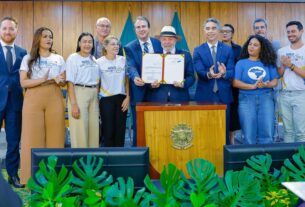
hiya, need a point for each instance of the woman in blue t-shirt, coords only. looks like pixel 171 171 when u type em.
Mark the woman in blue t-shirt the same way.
pixel 255 76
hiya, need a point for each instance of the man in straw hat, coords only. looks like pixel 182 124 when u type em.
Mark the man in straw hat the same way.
pixel 177 92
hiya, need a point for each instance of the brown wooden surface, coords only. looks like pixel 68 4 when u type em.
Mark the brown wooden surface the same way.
pixel 154 125
pixel 151 106
pixel 68 18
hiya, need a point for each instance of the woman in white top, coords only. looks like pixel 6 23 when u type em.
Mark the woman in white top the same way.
pixel 83 78
pixel 43 119
pixel 114 91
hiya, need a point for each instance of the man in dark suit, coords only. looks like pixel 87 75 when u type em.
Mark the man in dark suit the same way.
pixel 134 51
pixel 11 95
pixel 214 65
pixel 178 92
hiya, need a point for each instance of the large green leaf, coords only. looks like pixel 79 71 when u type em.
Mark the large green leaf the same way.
pixel 171 183
pixel 50 188
pixel 296 168
pixel 204 179
pixel 239 189
pixel 89 176
pixel 259 167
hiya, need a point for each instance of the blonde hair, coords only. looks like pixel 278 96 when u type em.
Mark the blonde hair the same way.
pixel 107 41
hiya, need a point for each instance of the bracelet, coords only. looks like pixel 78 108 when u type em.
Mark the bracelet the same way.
pixel 292 67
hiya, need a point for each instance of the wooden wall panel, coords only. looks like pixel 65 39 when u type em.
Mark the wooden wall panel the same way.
pixel 159 14
pixel 49 14
pixel 72 26
pixel 246 14
pixel 26 26
pixel 204 14
pixel 190 20
pixel 68 18
pixel 276 23
pixel 225 12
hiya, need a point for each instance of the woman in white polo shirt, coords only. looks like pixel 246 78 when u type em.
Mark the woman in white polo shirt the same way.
pixel 83 78
pixel 114 90
pixel 43 115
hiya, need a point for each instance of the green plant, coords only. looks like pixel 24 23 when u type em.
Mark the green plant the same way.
pixel 239 189
pixel 51 189
pixel 199 200
pixel 171 194
pixel 204 179
pixel 296 168
pixel 88 176
pixel 279 198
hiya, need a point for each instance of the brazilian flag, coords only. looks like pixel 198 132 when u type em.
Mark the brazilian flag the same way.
pixel 182 44
pixel 128 33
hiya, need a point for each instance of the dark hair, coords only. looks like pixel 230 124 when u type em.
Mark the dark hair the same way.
pixel 259 20
pixel 267 54
pixel 10 19
pixel 231 27
pixel 142 18
pixel 83 34
pixel 297 23
pixel 214 20
pixel 34 54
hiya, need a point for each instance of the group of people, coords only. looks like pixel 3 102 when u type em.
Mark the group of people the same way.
pixel 98 68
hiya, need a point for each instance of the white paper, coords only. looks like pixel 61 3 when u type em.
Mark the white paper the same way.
pixel 152 67
pixel 297 188
pixel 174 68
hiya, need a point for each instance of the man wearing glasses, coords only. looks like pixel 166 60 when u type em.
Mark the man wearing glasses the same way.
pixel 103 29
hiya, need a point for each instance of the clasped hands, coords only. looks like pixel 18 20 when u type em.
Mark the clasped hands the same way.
pixel 221 68
pixel 60 78
pixel 260 84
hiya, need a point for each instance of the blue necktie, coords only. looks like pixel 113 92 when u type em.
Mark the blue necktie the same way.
pixel 9 57
pixel 145 47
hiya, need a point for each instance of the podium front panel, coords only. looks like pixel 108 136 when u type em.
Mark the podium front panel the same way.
pixel 161 127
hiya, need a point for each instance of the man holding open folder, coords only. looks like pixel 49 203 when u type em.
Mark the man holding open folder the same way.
pixel 178 90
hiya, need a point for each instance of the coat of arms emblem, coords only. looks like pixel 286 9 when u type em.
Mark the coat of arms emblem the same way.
pixel 181 136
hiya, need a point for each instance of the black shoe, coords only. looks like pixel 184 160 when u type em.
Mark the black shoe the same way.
pixel 15 181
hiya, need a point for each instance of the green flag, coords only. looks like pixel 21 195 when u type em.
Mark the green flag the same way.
pixel 176 23
pixel 128 33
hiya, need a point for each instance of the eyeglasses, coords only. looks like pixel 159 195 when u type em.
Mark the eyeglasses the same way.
pixel 226 31
pixel 114 44
pixel 103 25
pixel 260 27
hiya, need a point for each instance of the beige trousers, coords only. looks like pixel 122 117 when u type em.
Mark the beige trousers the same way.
pixel 43 123
pixel 84 131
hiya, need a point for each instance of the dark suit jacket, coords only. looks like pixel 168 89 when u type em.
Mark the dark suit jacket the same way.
pixel 202 63
pixel 10 81
pixel 133 53
pixel 161 94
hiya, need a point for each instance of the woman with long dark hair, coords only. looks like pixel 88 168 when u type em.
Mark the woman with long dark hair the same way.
pixel 255 76
pixel 43 120
pixel 115 94
pixel 83 78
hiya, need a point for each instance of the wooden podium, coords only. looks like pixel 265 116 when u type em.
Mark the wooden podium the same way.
pixel 156 123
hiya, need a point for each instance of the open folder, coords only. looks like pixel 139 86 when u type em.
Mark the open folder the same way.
pixel 297 188
pixel 163 68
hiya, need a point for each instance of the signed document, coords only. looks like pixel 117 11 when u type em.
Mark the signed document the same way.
pixel 166 69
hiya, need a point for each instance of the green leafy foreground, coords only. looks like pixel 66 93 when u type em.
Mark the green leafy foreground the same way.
pixel 87 185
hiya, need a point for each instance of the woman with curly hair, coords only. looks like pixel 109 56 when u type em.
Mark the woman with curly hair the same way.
pixel 43 114
pixel 255 76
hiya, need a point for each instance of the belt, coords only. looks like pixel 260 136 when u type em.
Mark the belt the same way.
pixel 85 86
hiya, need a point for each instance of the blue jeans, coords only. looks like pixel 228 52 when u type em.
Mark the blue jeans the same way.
pixel 292 112
pixel 256 115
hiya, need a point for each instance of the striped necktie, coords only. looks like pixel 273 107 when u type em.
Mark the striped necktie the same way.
pixel 145 46
pixel 215 87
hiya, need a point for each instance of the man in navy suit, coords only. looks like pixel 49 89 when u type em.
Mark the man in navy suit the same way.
pixel 178 92
pixel 134 51
pixel 11 95
pixel 214 65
